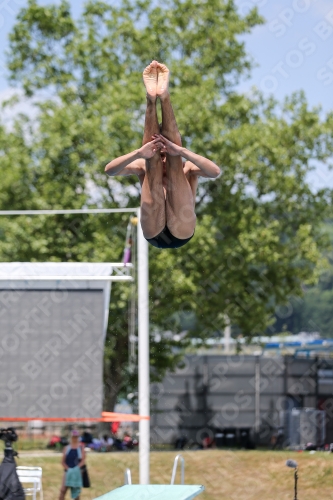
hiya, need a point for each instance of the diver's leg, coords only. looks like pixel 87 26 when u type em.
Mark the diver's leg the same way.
pixel 169 124
pixel 153 218
pixel 152 193
pixel 151 121
pixel 180 214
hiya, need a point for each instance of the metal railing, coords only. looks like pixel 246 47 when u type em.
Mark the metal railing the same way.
pixel 128 477
pixel 182 470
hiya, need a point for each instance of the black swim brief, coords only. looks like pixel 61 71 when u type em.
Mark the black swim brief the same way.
pixel 167 240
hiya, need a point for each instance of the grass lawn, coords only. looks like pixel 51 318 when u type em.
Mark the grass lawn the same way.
pixel 229 475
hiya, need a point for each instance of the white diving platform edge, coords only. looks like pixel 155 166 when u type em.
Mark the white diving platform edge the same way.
pixel 154 492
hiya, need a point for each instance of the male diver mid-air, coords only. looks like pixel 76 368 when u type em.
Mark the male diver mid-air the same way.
pixel 168 185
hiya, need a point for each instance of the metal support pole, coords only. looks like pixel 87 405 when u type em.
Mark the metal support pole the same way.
pixel 257 397
pixel 295 487
pixel 174 470
pixel 319 441
pixel 143 355
pixel 227 335
pixel 128 477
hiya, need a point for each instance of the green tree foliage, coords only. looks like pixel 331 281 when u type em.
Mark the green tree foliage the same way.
pixel 311 312
pixel 257 239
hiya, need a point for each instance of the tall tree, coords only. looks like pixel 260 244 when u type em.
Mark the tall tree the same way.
pixel 312 311
pixel 257 239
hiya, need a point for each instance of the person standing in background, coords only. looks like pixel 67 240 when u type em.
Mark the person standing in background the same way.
pixel 73 458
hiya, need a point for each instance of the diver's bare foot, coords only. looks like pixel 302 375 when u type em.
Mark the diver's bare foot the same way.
pixel 150 80
pixel 162 89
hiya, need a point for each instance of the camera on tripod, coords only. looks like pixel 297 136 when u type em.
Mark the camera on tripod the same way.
pixel 10 486
pixel 8 436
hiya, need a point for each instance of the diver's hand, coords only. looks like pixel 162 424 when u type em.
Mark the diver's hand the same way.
pixel 149 150
pixel 168 147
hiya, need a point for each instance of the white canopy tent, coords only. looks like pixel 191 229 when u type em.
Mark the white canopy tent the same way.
pixel 24 273
pixel 60 275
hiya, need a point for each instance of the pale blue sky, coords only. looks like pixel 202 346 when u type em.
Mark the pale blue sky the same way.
pixel 293 51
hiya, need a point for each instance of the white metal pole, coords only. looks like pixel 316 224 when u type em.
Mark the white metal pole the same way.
pixel 227 335
pixel 69 212
pixel 257 396
pixel 143 355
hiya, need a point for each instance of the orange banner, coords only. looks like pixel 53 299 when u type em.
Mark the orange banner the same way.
pixel 122 417
pixel 106 417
